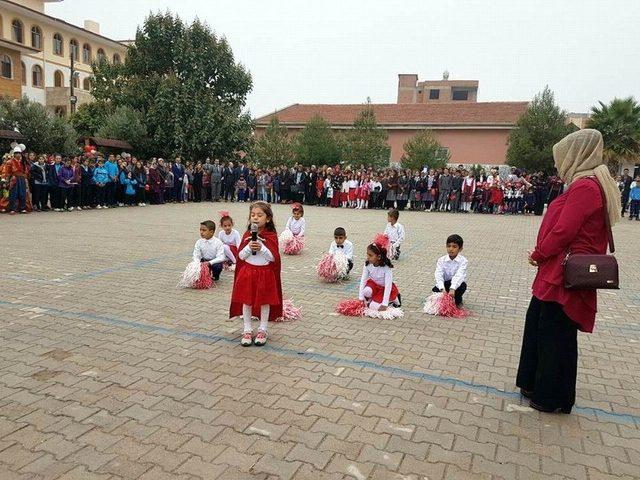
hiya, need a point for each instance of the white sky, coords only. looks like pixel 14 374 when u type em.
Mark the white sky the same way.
pixel 343 51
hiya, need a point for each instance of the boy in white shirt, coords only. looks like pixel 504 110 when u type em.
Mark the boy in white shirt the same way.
pixel 394 232
pixel 210 249
pixel 340 242
pixel 451 270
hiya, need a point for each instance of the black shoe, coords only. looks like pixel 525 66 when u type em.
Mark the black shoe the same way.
pixel 399 301
pixel 540 408
pixel 526 393
pixel 216 278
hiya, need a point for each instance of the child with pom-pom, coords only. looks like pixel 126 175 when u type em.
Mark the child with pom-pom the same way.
pixel 377 289
pixel 230 237
pixel 394 232
pixel 293 235
pixel 337 264
pixel 451 270
pixel 208 253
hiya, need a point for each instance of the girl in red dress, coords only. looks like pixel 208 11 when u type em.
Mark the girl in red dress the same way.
pixel 376 284
pixel 257 289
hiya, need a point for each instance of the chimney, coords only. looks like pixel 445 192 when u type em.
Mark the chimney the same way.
pixel 93 27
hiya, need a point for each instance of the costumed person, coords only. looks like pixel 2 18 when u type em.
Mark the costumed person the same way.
pixel 337 264
pixel 292 237
pixel 208 258
pixel 257 288
pixel 395 232
pixel 16 171
pixel 230 237
pixel 451 276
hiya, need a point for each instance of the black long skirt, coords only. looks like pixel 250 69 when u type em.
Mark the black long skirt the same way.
pixel 549 355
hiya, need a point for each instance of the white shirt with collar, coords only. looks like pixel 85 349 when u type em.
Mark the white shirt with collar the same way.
pixel 347 249
pixel 454 270
pixel 296 226
pixel 211 250
pixel 232 239
pixel 395 233
pixel 260 259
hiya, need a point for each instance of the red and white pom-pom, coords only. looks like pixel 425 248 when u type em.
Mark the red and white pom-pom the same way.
pixel 351 308
pixel 289 312
pixel 333 267
pixel 389 314
pixel 444 305
pixel 223 213
pixel 197 275
pixel 291 244
pixel 382 241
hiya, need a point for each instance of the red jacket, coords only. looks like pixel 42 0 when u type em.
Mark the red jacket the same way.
pixel 574 223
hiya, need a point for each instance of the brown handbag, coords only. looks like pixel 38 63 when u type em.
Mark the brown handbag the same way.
pixel 593 271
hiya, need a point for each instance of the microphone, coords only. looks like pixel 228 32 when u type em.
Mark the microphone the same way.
pixel 254 235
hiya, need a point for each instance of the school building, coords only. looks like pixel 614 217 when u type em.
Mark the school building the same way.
pixel 36 51
pixel 473 132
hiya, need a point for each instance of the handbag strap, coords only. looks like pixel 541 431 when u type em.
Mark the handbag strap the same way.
pixel 607 221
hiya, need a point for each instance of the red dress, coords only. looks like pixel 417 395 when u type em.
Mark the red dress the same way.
pixel 258 285
pixel 574 222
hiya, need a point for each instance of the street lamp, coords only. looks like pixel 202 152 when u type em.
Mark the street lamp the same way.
pixel 73 99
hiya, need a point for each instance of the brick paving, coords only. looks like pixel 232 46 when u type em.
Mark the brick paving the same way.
pixel 108 371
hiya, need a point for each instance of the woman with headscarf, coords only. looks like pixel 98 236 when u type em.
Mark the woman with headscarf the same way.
pixel 575 222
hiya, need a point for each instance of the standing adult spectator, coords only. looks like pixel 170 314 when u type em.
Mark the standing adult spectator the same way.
pixel 198 175
pixel 112 184
pixel 87 185
pixel 40 181
pixel 229 182
pixel 575 222
pixel 216 180
pixel 156 184
pixel 625 183
pixel 178 177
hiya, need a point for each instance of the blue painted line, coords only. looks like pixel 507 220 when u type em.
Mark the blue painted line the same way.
pixel 600 414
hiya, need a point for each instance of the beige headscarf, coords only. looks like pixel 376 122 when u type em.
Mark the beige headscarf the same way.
pixel 578 155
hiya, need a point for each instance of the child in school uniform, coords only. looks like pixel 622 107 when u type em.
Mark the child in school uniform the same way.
pixel 209 249
pixel 257 287
pixel 451 270
pixel 340 243
pixel 394 232
pixel 353 191
pixel 377 289
pixel 293 235
pixel 344 193
pixel 230 237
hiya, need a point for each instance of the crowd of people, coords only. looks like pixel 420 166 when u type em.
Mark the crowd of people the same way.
pixel 33 182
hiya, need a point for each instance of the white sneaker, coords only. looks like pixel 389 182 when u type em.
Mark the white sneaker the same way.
pixel 57 209
pixel 247 339
pixel 98 207
pixel 79 208
pixel 71 209
pixel 121 204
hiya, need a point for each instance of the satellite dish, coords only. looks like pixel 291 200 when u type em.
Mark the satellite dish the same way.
pixel 445 75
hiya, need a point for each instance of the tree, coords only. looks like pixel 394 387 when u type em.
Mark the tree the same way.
pixel 185 82
pixel 423 150
pixel 124 124
pixel 619 124
pixel 366 144
pixel 89 117
pixel 45 132
pixel 274 147
pixel 316 144
pixel 537 130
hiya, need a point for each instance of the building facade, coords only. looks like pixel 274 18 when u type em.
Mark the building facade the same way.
pixel 410 90
pixel 36 50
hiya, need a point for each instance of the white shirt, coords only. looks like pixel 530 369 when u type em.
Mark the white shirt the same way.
pixel 353 184
pixel 211 250
pixel 383 276
pixel 345 187
pixel 232 239
pixel 395 233
pixel 347 249
pixel 375 185
pixel 261 258
pixel 296 226
pixel 454 270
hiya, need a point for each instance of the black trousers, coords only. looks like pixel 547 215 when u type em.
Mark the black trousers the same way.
pixel 549 355
pixel 216 269
pixel 39 196
pixel 459 292
pixel 101 195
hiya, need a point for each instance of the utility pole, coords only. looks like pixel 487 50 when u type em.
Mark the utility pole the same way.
pixel 73 99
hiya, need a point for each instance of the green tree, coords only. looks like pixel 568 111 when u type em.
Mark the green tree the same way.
pixel 537 130
pixel 424 149
pixel 45 132
pixel 274 147
pixel 316 144
pixel 89 118
pixel 366 144
pixel 619 124
pixel 188 87
pixel 124 124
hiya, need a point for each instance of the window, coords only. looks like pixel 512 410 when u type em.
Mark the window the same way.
pixel 24 73
pixel 36 37
pixel 86 53
pixel 116 59
pixel 6 69
pixel 58 79
pixel 460 95
pixel 58 44
pixel 86 84
pixel 434 94
pixel 36 75
pixel 101 55
pixel 17 31
pixel 73 45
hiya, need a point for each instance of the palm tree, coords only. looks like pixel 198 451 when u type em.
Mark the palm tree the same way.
pixel 619 123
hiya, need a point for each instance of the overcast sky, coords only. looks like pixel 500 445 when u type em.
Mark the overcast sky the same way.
pixel 343 51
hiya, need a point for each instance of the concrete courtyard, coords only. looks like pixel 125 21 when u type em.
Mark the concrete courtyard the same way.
pixel 109 371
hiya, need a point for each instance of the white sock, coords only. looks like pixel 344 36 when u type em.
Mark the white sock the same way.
pixel 264 317
pixel 246 317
